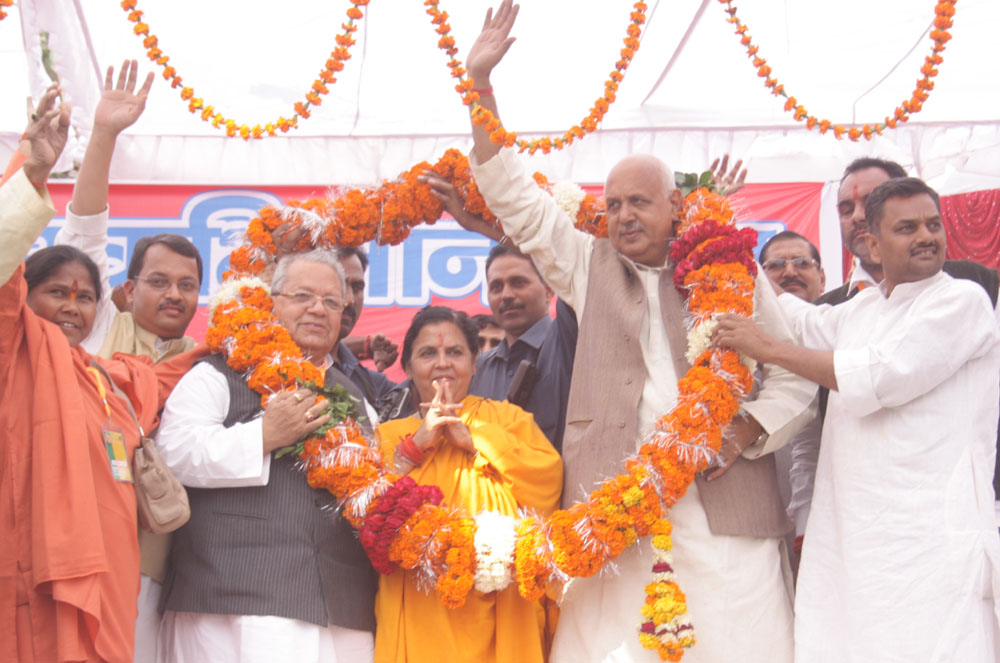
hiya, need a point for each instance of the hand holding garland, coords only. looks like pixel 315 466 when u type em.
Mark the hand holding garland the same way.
pixel 454 204
pixel 290 416
pixel 739 333
pixel 741 433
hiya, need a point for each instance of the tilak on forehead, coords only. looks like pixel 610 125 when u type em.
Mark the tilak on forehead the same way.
pixel 440 340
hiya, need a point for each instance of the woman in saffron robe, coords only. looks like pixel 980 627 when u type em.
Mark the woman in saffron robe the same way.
pixel 485 456
pixel 69 562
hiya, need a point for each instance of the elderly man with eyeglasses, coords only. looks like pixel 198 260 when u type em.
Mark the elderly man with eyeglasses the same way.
pixel 266 569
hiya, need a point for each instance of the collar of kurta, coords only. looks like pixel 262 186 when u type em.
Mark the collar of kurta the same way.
pixel 904 291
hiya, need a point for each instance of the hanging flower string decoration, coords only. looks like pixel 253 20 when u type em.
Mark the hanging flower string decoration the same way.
pixel 405 525
pixel 484 118
pixel 314 97
pixel 944 13
pixel 5 3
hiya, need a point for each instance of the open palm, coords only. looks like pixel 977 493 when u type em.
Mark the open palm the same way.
pixel 120 105
pixel 493 42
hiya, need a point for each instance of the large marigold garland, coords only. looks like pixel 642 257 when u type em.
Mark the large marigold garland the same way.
pixel 327 76
pixel 943 18
pixel 483 117
pixel 405 525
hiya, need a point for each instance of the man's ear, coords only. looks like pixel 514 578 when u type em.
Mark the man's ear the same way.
pixel 822 279
pixel 676 199
pixel 128 287
pixel 874 250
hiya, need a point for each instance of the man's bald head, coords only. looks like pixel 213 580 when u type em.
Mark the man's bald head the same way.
pixel 642 203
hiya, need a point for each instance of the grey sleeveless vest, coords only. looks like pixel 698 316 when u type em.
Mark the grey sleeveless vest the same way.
pixel 277 549
pixel 608 378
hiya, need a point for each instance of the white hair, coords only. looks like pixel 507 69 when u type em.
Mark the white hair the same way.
pixel 321 256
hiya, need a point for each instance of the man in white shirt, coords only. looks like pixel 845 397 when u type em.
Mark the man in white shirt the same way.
pixel 629 355
pixel 265 570
pixel 165 271
pixel 860 178
pixel 901 559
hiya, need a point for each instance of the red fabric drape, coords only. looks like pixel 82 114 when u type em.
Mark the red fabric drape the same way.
pixel 972 222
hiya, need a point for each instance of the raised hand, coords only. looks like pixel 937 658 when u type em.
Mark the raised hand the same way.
pixel 492 43
pixel 47 133
pixel 731 182
pixel 384 351
pixel 120 105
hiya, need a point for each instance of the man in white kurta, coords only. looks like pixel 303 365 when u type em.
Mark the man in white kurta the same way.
pixel 901 555
pixel 737 596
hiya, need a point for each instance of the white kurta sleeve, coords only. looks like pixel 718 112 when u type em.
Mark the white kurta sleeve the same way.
pixel 537 225
pixel 90 235
pixel 200 451
pixel 814 326
pixel 936 338
pixel 786 402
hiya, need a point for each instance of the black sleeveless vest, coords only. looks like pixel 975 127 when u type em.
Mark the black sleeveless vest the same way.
pixel 278 549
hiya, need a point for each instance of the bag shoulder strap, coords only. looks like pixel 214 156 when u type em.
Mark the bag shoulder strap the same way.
pixel 121 393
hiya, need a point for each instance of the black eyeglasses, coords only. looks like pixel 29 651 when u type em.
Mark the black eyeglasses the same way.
pixel 778 264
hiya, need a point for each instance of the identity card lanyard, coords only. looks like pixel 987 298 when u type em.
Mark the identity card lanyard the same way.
pixel 114 437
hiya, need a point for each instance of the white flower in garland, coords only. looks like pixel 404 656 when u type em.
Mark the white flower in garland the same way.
pixel 494 542
pixel 230 290
pixel 569 196
pixel 700 339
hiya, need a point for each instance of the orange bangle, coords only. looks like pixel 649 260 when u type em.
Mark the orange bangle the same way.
pixel 409 450
pixel 485 90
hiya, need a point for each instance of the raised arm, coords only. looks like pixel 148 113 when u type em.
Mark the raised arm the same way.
pixel 486 53
pixel 25 207
pixel 120 106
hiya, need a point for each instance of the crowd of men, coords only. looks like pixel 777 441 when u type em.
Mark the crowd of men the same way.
pixel 892 459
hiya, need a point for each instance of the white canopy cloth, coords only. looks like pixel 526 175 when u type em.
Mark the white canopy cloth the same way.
pixel 690 94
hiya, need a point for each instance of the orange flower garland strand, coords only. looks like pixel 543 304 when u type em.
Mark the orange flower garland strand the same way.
pixel 484 118
pixel 5 3
pixel 437 542
pixel 327 76
pixel 385 214
pixel 943 19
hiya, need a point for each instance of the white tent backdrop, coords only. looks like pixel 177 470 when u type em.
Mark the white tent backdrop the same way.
pixel 690 94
